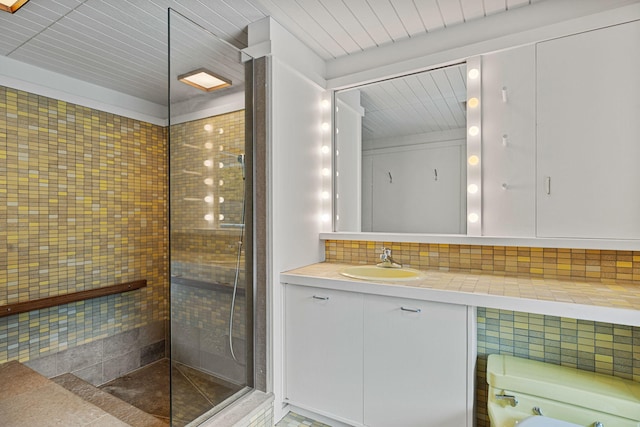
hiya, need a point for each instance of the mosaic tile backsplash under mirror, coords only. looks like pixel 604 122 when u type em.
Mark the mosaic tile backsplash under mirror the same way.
pixel 593 346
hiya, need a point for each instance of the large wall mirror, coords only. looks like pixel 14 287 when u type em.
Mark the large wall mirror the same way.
pixel 400 149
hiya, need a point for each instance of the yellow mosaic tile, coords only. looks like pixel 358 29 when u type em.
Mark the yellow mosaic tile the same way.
pixel 84 205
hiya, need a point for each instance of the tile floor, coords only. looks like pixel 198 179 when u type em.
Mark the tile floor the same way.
pixel 148 389
pixel 294 420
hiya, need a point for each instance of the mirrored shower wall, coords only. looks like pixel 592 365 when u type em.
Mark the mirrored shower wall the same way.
pixel 210 302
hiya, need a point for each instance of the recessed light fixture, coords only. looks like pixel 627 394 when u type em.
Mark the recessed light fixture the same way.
pixel 204 79
pixel 11 5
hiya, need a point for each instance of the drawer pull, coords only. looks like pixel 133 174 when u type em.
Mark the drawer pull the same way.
pixel 412 310
pixel 321 298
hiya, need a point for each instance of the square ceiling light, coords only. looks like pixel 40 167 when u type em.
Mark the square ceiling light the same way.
pixel 204 79
pixel 11 5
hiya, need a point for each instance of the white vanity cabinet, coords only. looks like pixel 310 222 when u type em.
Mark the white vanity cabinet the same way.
pixel 415 359
pixel 323 351
pixel 588 129
pixel 378 360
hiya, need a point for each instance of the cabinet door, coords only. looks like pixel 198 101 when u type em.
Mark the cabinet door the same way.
pixel 323 351
pixel 509 143
pixel 415 363
pixel 588 134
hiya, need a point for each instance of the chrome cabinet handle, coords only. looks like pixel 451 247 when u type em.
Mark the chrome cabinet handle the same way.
pixel 412 310
pixel 547 184
pixel 321 298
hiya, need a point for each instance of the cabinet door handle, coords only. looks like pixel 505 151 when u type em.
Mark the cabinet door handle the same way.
pixel 321 298
pixel 547 184
pixel 412 310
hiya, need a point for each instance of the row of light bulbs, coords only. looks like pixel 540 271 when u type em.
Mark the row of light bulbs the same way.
pixel 474 139
pixel 209 163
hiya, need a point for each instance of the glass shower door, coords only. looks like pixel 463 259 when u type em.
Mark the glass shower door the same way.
pixel 210 301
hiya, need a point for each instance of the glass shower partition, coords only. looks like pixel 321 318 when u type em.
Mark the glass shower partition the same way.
pixel 211 291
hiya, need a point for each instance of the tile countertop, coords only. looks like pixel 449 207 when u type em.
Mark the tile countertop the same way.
pixel 611 303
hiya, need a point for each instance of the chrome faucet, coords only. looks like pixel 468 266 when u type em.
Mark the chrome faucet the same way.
pixel 387 261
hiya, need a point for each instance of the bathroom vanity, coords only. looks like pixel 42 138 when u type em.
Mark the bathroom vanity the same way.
pixel 400 353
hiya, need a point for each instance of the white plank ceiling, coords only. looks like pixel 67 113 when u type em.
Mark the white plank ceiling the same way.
pixel 122 44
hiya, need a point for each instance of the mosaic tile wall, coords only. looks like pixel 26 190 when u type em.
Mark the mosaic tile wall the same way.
pixel 200 316
pixel 593 346
pixel 550 263
pixel 206 174
pixel 82 205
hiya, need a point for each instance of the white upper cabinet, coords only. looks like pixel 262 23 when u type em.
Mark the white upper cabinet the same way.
pixel 509 143
pixel 588 134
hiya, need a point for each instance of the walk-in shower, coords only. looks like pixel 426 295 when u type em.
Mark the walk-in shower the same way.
pixel 211 302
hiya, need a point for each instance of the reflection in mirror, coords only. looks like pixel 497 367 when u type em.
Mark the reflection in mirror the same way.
pixel 400 154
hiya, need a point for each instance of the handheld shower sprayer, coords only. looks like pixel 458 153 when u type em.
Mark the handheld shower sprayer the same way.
pixel 241 161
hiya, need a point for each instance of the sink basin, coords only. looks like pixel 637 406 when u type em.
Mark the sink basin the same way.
pixel 372 272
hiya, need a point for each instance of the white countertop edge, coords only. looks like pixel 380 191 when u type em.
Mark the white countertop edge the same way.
pixel 571 310
pixel 462 239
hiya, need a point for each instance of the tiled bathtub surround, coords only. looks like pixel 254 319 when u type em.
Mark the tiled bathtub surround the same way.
pixel 83 199
pixel 593 346
pixel 548 263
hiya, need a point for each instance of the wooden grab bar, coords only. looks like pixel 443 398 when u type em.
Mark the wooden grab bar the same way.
pixel 37 304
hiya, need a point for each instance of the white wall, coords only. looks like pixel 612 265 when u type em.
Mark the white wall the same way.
pixel 294 169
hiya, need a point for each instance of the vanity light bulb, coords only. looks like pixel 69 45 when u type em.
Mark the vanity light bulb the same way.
pixel 208 217
pixel 325 126
pixel 473 73
pixel 220 131
pixel 221 182
pixel 474 160
pixel 220 199
pixel 325 149
pixel 221 217
pixel 221 148
pixel 208 127
pixel 208 181
pixel 325 195
pixel 474 130
pixel 208 199
pixel 473 102
pixel 472 189
pixel 473 217
pixel 325 103
pixel 326 172
pixel 208 163
pixel 220 165
pixel 208 145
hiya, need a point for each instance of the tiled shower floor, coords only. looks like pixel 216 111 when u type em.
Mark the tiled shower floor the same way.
pixel 148 389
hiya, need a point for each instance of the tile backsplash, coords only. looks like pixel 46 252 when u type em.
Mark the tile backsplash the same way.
pixel 549 263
